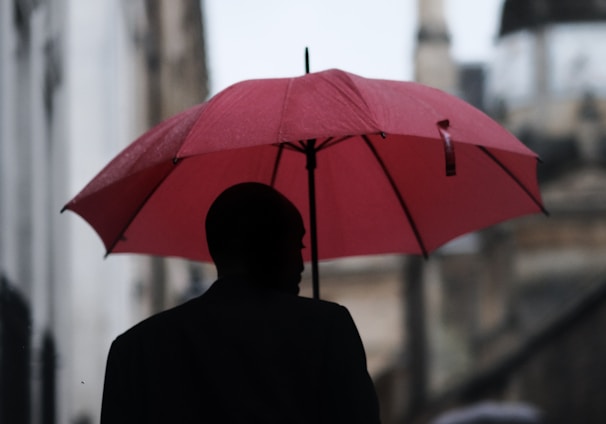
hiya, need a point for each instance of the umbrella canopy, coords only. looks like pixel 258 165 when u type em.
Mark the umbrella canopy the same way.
pixel 399 167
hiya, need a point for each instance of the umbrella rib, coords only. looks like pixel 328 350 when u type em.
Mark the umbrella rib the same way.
pixel 324 144
pixel 392 183
pixel 514 178
pixel 274 172
pixel 291 146
pixel 329 142
pixel 175 161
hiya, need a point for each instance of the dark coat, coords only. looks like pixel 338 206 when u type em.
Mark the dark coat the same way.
pixel 236 355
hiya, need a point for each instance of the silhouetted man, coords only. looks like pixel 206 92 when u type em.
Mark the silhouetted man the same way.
pixel 249 350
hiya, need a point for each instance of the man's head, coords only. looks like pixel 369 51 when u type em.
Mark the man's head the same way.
pixel 255 232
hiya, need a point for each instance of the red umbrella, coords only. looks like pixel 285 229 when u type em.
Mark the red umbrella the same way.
pixel 393 167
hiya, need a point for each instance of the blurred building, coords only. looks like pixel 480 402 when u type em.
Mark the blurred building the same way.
pixel 519 310
pixel 78 81
pixel 434 65
pixel 548 82
pixel 548 86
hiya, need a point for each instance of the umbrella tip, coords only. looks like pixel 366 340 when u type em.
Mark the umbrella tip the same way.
pixel 307 60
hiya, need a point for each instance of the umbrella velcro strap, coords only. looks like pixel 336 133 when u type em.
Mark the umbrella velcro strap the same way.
pixel 449 153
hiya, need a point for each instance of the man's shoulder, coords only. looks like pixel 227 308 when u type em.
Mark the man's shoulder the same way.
pixel 171 324
pixel 164 322
pixel 319 304
pixel 321 309
pixel 236 292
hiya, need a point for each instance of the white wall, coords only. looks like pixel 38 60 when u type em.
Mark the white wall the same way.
pixel 99 108
pixel 56 261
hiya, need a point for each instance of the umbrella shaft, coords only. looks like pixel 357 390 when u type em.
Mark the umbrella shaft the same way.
pixel 310 152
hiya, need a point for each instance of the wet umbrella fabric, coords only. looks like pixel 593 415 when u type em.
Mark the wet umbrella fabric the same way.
pixel 396 167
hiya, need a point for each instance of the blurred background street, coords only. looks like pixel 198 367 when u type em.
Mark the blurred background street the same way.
pixel 511 314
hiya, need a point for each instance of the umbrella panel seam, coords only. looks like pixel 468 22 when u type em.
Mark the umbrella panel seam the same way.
pixel 120 236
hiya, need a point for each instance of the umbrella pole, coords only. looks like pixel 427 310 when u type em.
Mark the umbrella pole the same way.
pixel 310 152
